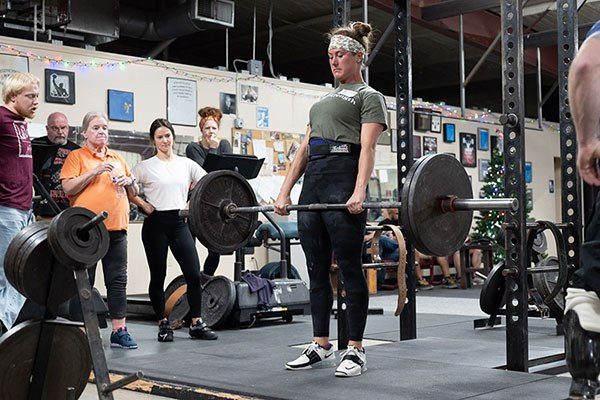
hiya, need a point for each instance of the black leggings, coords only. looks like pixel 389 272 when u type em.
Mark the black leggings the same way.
pixel 332 180
pixel 163 230
pixel 588 275
pixel 212 260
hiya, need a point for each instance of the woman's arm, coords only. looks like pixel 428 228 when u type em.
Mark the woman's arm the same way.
pixel 72 186
pixel 369 135
pixel 142 204
pixel 296 170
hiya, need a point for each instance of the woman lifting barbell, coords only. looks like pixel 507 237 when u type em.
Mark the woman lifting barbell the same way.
pixel 337 158
pixel 166 179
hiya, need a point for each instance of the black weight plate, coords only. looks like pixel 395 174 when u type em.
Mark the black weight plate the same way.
pixel 545 283
pixel 177 307
pixel 11 267
pixel 215 230
pixel 69 364
pixel 38 268
pixel 431 179
pixel 74 249
pixel 218 298
pixel 492 293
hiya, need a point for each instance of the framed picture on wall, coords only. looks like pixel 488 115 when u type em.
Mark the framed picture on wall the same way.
pixel 182 108
pixel 59 86
pixel 422 118
pixel 497 142
pixel 528 172
pixel 227 103
pixel 10 63
pixel 449 133
pixel 429 145
pixel 529 198
pixel 484 165
pixel 417 147
pixel 436 122
pixel 468 151
pixel 484 138
pixel 248 93
pixel 262 117
pixel 120 105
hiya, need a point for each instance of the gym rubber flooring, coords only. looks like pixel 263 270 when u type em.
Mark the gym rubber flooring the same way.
pixel 448 360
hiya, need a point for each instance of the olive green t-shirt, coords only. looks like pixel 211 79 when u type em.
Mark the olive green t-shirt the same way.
pixel 339 115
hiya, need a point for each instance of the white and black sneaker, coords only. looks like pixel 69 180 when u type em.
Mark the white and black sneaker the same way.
pixel 354 362
pixel 313 356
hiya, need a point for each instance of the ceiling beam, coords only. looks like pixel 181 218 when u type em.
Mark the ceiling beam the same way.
pixel 453 8
pixel 548 38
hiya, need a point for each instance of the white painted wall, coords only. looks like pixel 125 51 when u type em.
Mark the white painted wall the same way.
pixel 288 102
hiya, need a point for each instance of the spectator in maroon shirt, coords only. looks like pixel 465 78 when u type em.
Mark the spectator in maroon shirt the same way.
pixel 20 95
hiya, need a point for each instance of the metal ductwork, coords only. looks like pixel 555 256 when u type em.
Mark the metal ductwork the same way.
pixel 179 20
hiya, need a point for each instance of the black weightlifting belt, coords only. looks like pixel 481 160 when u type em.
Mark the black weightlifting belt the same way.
pixel 319 148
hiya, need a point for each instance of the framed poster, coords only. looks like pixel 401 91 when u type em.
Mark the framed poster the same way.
pixel 429 145
pixel 436 123
pixel 182 107
pixel 497 142
pixel 120 105
pixel 248 93
pixel 468 151
pixel 417 147
pixel 262 117
pixel 528 172
pixel 227 103
pixel 484 165
pixel 484 138
pixel 422 118
pixel 59 86
pixel 449 133
pixel 10 64
pixel 529 198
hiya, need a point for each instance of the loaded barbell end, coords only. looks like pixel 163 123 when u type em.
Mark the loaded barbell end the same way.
pixel 93 222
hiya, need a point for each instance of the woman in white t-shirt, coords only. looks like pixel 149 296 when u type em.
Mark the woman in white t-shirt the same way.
pixel 166 179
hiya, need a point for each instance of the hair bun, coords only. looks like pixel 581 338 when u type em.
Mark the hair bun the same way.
pixel 210 112
pixel 361 28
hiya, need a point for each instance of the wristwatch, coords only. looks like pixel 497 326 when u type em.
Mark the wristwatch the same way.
pixel 133 181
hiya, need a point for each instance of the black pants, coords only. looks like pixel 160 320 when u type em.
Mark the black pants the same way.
pixel 212 260
pixel 114 267
pixel 332 180
pixel 163 230
pixel 588 275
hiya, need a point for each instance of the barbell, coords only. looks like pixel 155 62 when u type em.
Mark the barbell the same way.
pixel 436 207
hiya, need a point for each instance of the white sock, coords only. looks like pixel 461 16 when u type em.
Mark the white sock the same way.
pixel 586 305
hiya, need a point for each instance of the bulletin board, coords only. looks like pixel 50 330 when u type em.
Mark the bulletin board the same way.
pixel 277 148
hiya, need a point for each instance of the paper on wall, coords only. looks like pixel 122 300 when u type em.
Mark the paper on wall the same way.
pixel 383 176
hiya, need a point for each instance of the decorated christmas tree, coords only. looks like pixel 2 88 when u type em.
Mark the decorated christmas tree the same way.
pixel 489 222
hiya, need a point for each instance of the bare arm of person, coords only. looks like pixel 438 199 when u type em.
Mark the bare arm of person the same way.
pixel 142 204
pixel 296 170
pixel 72 186
pixel 368 140
pixel 584 99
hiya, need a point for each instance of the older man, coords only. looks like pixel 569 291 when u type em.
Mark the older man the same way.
pixel 20 95
pixel 49 154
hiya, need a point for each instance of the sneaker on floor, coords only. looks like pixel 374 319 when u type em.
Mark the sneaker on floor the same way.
pixel 165 332
pixel 122 339
pixel 477 281
pixel 354 362
pixel 423 284
pixel 449 283
pixel 313 356
pixel 200 330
